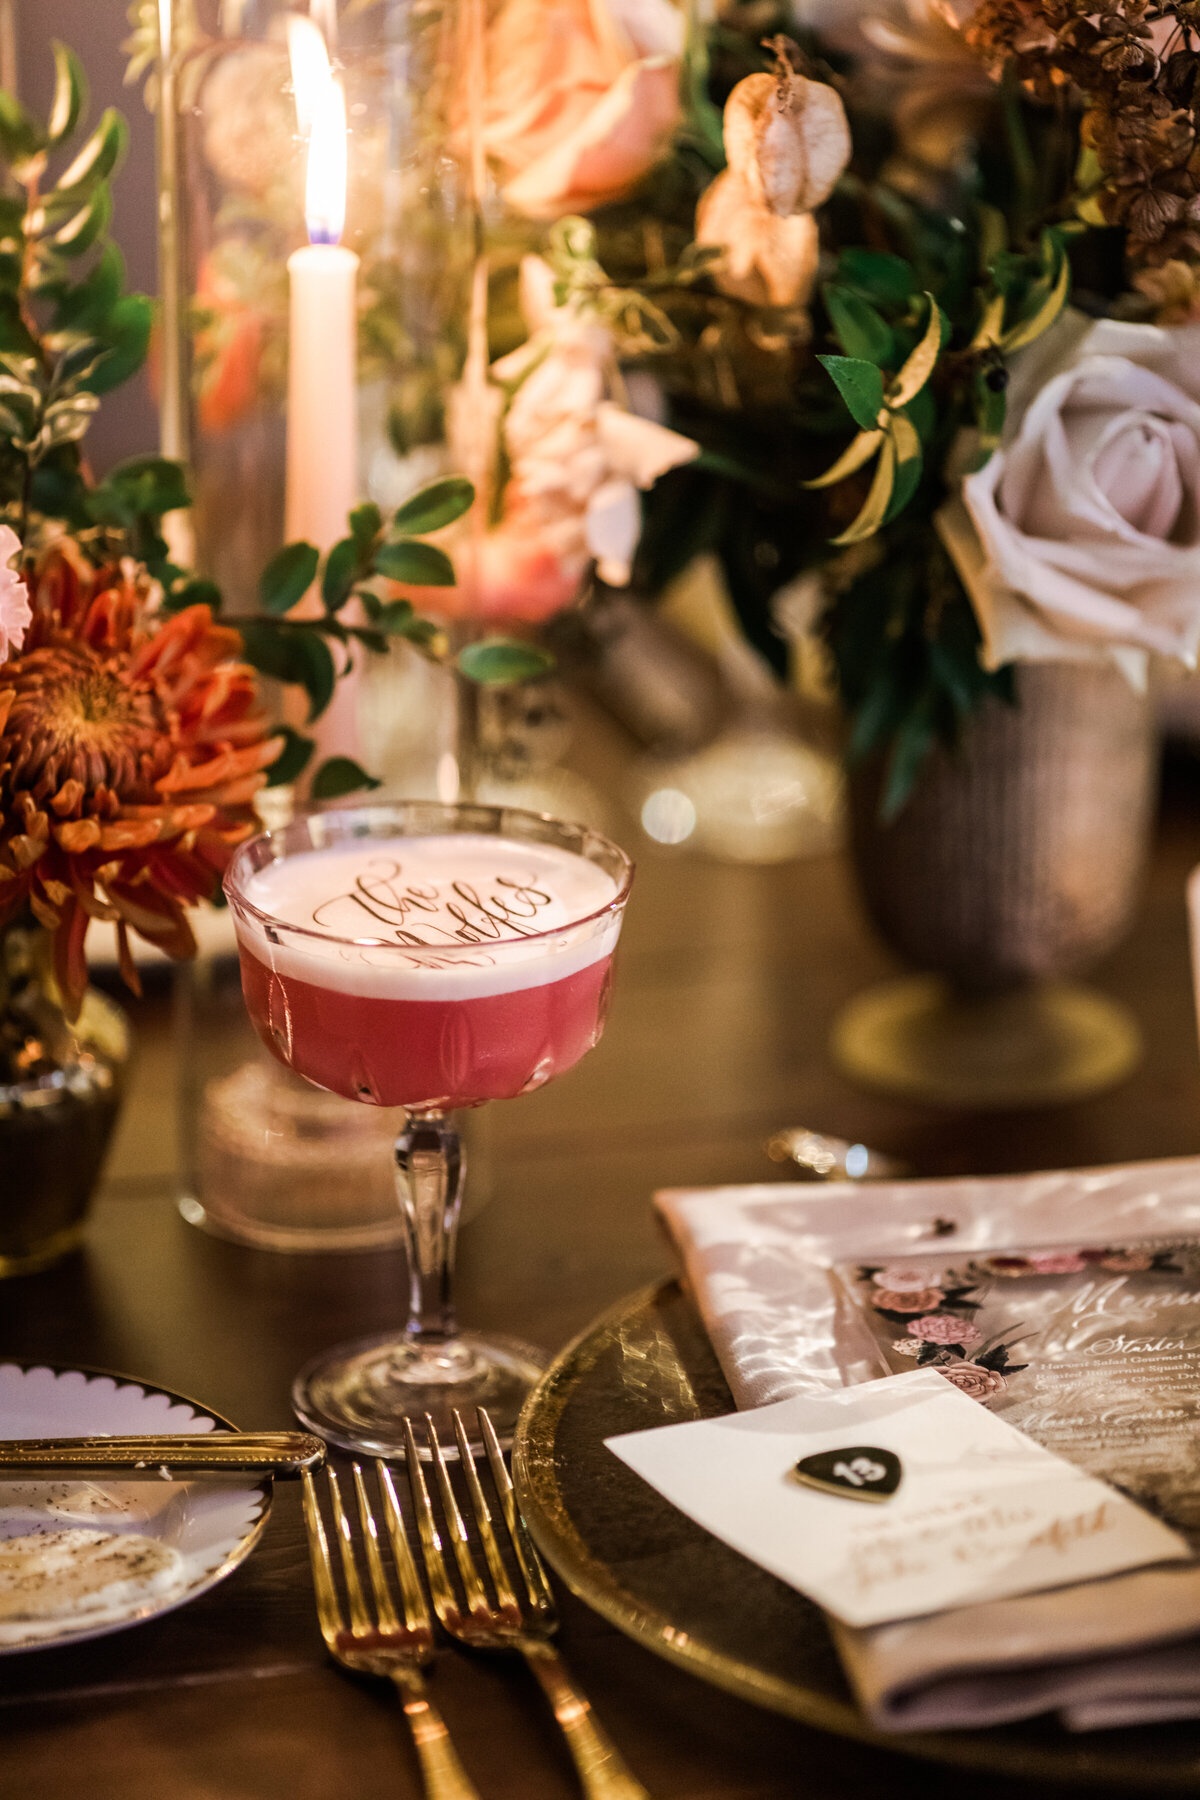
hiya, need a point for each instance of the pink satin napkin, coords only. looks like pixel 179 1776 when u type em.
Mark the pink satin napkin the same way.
pixel 1121 1651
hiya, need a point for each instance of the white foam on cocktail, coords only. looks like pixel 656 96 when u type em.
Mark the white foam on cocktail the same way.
pixel 457 916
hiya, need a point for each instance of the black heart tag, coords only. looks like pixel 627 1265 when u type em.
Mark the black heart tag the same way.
pixel 861 1473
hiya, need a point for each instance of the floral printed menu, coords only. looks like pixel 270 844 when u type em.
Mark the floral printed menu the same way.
pixel 1093 1352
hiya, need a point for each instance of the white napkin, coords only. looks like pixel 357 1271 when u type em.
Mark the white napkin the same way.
pixel 1115 1652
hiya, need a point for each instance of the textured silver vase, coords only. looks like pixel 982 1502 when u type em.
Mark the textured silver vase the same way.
pixel 1017 861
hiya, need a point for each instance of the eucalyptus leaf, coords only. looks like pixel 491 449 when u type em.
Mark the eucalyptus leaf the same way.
pixel 340 775
pixel 434 506
pixel 338 578
pixel 70 94
pixel 366 522
pixel 99 157
pixel 293 759
pixel 419 565
pixel 288 577
pixel 500 661
pixel 127 339
pixel 85 226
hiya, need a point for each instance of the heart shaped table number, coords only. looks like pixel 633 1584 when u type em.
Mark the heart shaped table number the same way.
pixel 862 1472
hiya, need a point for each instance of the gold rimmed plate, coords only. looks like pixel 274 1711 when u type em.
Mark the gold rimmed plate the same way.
pixel 666 1583
pixel 213 1524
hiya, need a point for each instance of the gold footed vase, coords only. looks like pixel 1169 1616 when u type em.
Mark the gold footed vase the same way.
pixel 61 1084
pixel 1016 864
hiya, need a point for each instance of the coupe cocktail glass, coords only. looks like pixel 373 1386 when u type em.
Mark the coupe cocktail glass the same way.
pixel 430 957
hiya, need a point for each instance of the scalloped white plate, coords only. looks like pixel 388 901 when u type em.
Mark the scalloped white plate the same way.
pixel 214 1525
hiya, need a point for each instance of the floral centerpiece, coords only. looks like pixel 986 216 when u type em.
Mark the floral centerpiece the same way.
pixel 134 731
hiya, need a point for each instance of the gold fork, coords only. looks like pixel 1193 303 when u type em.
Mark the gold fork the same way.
pixel 383 1645
pixel 505 1626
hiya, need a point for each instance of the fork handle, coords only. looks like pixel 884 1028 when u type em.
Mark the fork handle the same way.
pixel 602 1772
pixel 444 1776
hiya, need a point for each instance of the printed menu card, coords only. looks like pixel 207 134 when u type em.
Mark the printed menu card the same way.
pixel 1093 1352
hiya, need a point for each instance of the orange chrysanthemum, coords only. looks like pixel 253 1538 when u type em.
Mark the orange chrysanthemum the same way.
pixel 130 753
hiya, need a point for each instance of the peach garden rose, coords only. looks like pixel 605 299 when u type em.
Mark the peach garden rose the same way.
pixel 583 96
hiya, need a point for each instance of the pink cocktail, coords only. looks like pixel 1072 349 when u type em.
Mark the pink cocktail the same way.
pixel 431 957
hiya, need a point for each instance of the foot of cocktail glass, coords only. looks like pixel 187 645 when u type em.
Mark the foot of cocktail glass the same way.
pixel 358 1395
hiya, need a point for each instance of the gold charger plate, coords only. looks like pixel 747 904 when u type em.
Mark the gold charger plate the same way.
pixel 666 1583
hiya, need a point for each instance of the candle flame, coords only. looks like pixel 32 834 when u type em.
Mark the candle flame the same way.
pixel 311 72
pixel 325 191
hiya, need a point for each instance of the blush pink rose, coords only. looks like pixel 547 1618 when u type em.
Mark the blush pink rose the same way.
pixel 1068 1262
pixel 943 1328
pixel 973 1380
pixel 583 96
pixel 924 1300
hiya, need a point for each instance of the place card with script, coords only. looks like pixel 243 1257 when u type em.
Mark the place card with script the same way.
pixel 977 1510
pixel 1093 1351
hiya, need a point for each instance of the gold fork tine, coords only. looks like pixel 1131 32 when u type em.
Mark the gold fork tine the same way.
pixel 385 1612
pixel 444 1603
pixel 483 1519
pixel 416 1612
pixel 528 1560
pixel 360 1618
pixel 329 1610
pixel 473 1588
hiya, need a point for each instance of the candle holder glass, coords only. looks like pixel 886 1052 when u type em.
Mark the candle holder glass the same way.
pixel 234 145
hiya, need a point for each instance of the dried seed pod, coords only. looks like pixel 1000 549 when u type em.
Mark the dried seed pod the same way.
pixel 788 139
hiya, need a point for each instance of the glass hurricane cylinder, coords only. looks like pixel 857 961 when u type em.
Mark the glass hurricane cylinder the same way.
pixel 235 210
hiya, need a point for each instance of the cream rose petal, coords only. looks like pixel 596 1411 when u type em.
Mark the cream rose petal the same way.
pixel 612 148
pixel 613 523
pixel 640 449
pixel 653 27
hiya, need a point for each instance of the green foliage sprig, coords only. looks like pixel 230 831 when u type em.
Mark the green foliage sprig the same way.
pixel 69 332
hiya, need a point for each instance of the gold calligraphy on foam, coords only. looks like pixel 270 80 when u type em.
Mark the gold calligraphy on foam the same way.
pixel 426 916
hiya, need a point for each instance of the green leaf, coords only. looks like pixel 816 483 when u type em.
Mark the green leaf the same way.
pixel 434 506
pixel 83 228
pixel 420 565
pixel 127 335
pixel 879 498
pixel 879 274
pixel 919 366
pixel 395 617
pixel 498 661
pixel 293 653
pixel 87 306
pixel 859 451
pixel 293 759
pixel 70 94
pixel 288 577
pixel 21 137
pixel 340 569
pixel 860 330
pixel 98 158
pixel 150 484
pixel 861 386
pixel 340 775
pixel 192 592
pixel 366 522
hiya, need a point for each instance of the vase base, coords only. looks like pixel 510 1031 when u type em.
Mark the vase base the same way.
pixel 1043 1045
pixel 358 1395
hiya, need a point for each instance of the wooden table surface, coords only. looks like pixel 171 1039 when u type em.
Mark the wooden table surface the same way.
pixel 728 980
